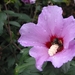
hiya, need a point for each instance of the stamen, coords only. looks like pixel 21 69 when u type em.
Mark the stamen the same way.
pixel 53 49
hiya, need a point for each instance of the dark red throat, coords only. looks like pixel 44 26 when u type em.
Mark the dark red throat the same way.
pixel 55 40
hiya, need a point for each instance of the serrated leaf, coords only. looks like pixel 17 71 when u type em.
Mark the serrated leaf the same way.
pixel 14 23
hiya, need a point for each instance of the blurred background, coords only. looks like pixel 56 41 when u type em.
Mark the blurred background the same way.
pixel 15 59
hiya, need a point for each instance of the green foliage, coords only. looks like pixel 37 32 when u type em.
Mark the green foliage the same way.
pixel 26 64
pixel 15 59
pixel 20 16
pixel 3 17
pixel 14 23
pixel 9 1
pixel 65 67
pixel 62 1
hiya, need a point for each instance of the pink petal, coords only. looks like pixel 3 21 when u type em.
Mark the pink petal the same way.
pixel 62 57
pixel 51 19
pixel 68 32
pixel 28 1
pixel 40 54
pixel 32 1
pixel 32 35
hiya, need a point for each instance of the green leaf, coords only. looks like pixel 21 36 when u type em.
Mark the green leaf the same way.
pixel 21 16
pixel 57 0
pixel 71 71
pixel 73 63
pixel 30 60
pixel 25 55
pixel 11 61
pixel 14 23
pixel 1 27
pixel 50 70
pixel 28 68
pixel 9 12
pixel 26 64
pixel 3 17
pixel 64 1
pixel 21 68
pixel 29 73
pixel 24 17
pixel 65 67
pixel 38 8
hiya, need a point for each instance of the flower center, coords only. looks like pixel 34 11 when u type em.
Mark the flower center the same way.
pixel 53 49
pixel 55 45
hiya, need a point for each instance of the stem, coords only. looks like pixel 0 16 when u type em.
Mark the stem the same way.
pixel 16 46
pixel 8 26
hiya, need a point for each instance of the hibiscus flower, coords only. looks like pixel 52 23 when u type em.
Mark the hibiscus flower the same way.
pixel 29 1
pixel 52 38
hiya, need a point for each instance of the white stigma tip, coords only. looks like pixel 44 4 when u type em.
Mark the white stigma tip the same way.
pixel 53 49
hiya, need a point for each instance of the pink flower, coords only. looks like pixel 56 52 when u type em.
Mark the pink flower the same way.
pixel 52 37
pixel 28 1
